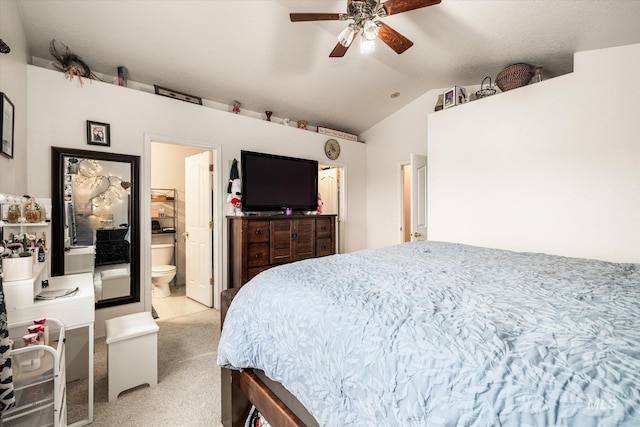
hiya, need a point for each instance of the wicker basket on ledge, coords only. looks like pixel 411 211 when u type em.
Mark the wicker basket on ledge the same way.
pixel 516 75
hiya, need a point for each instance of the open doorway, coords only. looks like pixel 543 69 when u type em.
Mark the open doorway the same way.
pixel 330 187
pixel 413 199
pixel 171 226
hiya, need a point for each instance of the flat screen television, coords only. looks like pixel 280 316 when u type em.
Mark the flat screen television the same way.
pixel 275 183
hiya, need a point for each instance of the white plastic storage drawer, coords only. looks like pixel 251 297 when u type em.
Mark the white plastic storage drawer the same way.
pixel 38 378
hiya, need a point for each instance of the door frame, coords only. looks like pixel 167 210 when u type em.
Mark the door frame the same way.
pixel 145 211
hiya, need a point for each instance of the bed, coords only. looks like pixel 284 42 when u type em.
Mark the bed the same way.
pixel 435 333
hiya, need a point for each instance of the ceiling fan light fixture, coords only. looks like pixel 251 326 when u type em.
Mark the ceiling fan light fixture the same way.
pixel 367 46
pixel 363 14
pixel 346 36
pixel 369 30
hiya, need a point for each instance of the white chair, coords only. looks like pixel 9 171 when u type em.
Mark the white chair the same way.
pixel 132 355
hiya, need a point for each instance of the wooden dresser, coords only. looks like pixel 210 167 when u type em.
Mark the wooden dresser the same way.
pixel 257 243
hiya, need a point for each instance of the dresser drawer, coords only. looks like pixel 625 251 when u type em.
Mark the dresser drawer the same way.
pixel 323 247
pixel 258 231
pixel 258 254
pixel 323 228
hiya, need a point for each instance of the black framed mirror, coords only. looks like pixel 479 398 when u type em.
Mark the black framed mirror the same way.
pixel 95 199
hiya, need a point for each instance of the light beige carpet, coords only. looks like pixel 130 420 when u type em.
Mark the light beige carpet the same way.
pixel 188 390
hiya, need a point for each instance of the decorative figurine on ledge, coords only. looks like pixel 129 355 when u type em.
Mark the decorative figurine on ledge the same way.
pixel 236 107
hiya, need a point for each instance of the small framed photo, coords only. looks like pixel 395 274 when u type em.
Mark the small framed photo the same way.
pixel 177 95
pixel 7 120
pixel 454 96
pixel 98 133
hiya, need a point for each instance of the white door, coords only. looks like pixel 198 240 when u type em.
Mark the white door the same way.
pixel 198 226
pixel 418 197
pixel 328 189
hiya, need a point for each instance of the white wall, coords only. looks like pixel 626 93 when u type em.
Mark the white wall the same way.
pixel 58 109
pixel 552 167
pixel 389 144
pixel 13 82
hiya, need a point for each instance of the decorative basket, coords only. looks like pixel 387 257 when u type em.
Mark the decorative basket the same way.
pixel 514 76
pixel 485 91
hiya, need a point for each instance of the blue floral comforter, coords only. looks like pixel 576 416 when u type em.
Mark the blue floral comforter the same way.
pixel 444 334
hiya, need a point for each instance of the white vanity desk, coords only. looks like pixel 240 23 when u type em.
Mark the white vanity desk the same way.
pixel 76 312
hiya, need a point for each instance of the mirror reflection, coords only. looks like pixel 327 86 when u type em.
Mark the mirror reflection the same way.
pixel 96 202
pixel 97 207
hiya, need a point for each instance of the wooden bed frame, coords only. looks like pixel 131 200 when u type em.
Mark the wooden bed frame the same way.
pixel 246 388
pixel 239 390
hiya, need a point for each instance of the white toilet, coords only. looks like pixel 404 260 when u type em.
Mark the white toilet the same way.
pixel 162 272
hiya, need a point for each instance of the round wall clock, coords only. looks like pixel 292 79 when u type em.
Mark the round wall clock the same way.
pixel 332 149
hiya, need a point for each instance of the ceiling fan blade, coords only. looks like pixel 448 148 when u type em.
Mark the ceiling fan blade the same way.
pixel 301 17
pixel 394 39
pixel 339 50
pixel 393 7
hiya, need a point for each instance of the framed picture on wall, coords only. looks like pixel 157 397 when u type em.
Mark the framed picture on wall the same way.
pixel 98 133
pixel 177 95
pixel 7 120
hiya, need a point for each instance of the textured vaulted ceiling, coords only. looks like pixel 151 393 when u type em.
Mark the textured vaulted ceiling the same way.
pixel 250 51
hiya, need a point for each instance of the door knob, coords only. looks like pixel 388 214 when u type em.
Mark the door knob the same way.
pixel 185 234
pixel 416 234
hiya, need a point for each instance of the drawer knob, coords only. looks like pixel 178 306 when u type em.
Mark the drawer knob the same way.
pixel 258 232
pixel 323 247
pixel 323 228
pixel 259 255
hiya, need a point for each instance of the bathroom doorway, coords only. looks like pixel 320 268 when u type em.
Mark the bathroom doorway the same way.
pixel 167 170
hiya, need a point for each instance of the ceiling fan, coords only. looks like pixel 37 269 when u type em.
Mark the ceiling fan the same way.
pixel 363 14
